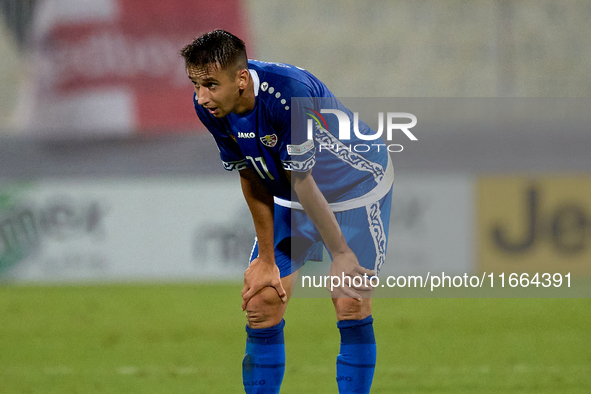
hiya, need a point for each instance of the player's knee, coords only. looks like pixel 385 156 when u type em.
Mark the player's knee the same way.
pixel 264 309
pixel 352 309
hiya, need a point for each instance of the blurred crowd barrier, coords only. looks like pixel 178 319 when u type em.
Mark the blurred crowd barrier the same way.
pixel 107 174
pixel 177 229
pixel 123 230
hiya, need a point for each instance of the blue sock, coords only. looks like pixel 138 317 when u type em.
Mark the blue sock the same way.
pixel 264 361
pixel 357 360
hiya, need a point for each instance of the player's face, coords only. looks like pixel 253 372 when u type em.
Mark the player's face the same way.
pixel 217 90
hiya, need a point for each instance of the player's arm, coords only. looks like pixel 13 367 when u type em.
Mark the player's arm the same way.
pixel 262 271
pixel 317 208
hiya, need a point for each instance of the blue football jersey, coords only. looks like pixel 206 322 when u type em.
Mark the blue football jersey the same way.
pixel 273 137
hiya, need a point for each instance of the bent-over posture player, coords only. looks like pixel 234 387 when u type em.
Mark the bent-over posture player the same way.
pixel 303 189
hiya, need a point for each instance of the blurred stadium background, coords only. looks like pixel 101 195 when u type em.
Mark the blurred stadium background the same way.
pixel 122 240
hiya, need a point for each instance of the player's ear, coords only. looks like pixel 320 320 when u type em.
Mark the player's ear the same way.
pixel 243 77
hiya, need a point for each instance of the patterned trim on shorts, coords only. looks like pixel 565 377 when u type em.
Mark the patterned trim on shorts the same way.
pixel 376 227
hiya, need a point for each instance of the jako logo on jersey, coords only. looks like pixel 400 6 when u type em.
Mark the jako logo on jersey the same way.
pixel 269 140
pixel 345 125
pixel 245 135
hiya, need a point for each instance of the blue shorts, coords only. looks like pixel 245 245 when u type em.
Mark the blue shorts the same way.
pixel 297 240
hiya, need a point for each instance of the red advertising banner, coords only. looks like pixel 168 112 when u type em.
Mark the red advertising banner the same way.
pixel 113 66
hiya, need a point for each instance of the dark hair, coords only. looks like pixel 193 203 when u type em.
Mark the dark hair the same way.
pixel 216 48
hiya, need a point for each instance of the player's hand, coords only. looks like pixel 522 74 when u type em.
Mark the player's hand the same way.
pixel 260 274
pixel 346 267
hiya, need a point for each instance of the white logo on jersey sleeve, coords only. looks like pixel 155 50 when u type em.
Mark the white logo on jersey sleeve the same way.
pixel 296 150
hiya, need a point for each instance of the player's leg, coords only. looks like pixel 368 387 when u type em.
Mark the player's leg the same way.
pixel 265 308
pixel 263 365
pixel 357 357
pixel 264 360
pixel 357 354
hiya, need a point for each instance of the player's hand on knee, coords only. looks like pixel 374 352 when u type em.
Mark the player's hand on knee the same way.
pixel 258 275
pixel 348 279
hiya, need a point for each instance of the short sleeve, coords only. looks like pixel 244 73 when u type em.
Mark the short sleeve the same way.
pixel 296 147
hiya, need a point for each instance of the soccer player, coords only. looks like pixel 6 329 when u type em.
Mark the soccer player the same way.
pixel 303 188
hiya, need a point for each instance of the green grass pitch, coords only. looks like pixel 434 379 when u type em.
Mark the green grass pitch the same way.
pixel 189 338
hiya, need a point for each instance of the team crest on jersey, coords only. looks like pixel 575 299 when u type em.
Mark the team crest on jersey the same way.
pixel 269 140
